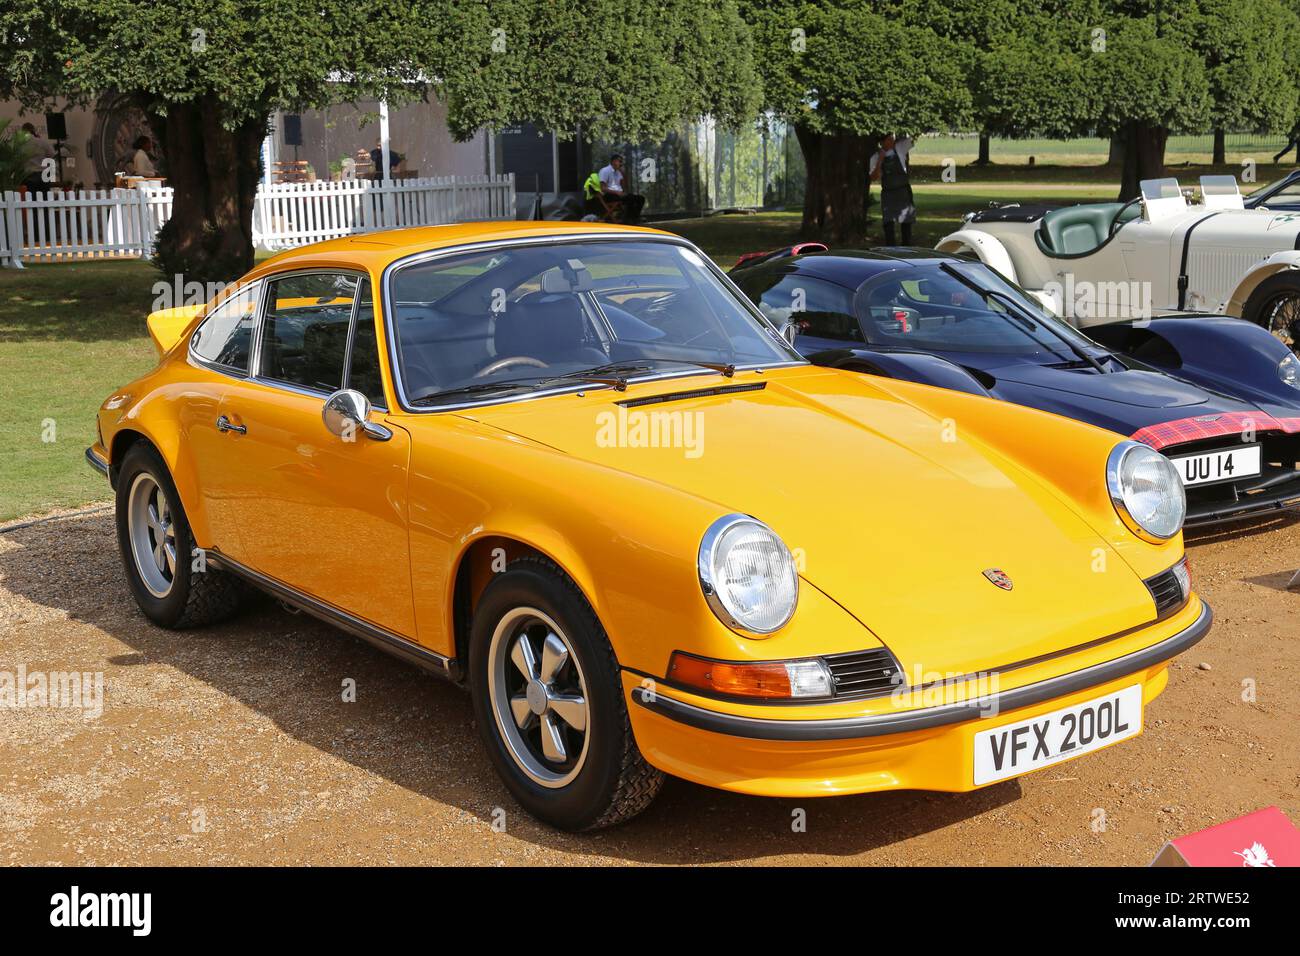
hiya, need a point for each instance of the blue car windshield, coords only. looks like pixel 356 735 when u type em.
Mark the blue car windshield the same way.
pixel 960 307
pixel 504 321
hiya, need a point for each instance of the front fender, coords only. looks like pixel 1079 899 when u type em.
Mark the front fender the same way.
pixel 1227 355
pixel 902 364
pixel 1277 262
pixel 984 246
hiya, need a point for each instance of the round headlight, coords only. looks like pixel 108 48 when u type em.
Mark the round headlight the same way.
pixel 1147 491
pixel 748 575
pixel 1288 370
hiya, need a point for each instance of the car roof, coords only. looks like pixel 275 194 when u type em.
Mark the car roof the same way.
pixel 852 267
pixel 375 250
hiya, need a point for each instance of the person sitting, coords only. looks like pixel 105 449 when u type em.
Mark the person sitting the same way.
pixel 615 194
pixel 596 206
pixel 141 162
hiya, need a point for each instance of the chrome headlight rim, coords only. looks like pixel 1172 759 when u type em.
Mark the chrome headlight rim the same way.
pixel 712 595
pixel 1114 464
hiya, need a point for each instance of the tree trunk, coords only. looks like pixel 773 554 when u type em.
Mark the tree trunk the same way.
pixel 835 200
pixel 1144 157
pixel 983 159
pixel 1116 156
pixel 1220 151
pixel 214 172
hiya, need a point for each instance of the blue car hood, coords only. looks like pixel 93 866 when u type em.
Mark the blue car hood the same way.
pixel 1133 387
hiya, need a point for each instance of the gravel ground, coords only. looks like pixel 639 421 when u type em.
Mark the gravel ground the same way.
pixel 233 745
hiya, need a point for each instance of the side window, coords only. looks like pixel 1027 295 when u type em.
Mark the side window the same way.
pixel 363 371
pixel 822 309
pixel 305 332
pixel 226 336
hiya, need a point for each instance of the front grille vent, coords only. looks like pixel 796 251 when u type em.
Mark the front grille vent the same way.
pixel 872 673
pixel 1167 592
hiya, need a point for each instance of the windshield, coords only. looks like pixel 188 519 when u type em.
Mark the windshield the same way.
pixel 960 307
pixel 532 316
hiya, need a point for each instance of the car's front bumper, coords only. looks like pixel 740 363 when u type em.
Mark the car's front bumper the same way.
pixel 95 458
pixel 924 748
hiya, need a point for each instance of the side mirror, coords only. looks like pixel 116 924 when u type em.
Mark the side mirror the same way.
pixel 790 331
pixel 347 412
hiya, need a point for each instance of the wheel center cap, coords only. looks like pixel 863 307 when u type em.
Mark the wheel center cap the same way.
pixel 536 697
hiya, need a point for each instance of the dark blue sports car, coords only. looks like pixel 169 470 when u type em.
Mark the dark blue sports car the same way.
pixel 1219 396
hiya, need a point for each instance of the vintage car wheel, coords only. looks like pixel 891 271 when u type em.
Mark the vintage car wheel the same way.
pixel 1275 305
pixel 153 536
pixel 549 704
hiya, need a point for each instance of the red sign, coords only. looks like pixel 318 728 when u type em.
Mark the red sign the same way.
pixel 1263 838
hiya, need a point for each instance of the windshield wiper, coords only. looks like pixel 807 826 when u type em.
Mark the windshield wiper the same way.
pixel 474 388
pixel 614 374
pixel 1023 315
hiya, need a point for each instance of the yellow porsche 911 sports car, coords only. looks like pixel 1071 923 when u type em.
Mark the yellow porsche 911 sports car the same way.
pixel 572 468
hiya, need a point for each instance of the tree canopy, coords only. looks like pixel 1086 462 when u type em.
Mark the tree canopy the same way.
pixel 210 72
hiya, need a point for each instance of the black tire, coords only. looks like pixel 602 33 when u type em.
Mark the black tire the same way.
pixel 1266 308
pixel 195 598
pixel 614 783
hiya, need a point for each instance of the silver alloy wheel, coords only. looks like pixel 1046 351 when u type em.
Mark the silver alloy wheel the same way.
pixel 152 533
pixel 539 697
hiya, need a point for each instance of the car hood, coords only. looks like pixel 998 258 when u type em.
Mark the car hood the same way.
pixel 890 511
pixel 1133 387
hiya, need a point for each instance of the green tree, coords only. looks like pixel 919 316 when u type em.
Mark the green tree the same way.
pixel 843 73
pixel 211 72
pixel 1145 82
pixel 1246 47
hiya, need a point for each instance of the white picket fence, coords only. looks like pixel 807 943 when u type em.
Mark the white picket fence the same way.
pixel 107 223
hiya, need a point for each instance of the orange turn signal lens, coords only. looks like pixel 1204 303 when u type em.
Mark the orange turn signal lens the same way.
pixel 764 679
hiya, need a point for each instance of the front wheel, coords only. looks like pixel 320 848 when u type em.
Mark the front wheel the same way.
pixel 1275 305
pixel 549 703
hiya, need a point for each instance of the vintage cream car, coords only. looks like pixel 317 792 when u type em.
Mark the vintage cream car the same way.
pixel 1156 254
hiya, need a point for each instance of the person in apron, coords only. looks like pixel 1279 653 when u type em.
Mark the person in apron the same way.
pixel 889 167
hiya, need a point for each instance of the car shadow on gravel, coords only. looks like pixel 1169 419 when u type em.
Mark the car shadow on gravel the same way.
pixel 1245 528
pixel 417 731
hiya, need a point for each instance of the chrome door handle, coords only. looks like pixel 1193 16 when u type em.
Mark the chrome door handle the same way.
pixel 224 424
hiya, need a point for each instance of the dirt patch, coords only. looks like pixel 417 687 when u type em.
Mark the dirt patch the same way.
pixel 233 745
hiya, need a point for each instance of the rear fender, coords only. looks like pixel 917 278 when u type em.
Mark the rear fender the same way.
pixel 1228 355
pixel 984 246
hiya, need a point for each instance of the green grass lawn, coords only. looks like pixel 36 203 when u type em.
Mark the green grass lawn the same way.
pixel 69 335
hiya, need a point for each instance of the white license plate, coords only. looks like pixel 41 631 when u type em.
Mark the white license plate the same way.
pixel 1212 466
pixel 1041 741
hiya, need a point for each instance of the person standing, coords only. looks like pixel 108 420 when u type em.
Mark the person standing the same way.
pixel 889 166
pixel 615 193
pixel 41 174
pixel 1292 142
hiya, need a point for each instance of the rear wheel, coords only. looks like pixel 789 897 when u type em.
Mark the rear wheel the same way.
pixel 549 702
pixel 1275 305
pixel 153 536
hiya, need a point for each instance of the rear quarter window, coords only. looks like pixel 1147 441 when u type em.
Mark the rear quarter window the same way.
pixel 225 337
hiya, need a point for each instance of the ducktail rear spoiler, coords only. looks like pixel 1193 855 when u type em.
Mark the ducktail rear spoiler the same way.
pixel 167 325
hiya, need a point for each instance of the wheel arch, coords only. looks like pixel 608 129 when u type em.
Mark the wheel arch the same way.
pixel 1275 264
pixel 490 553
